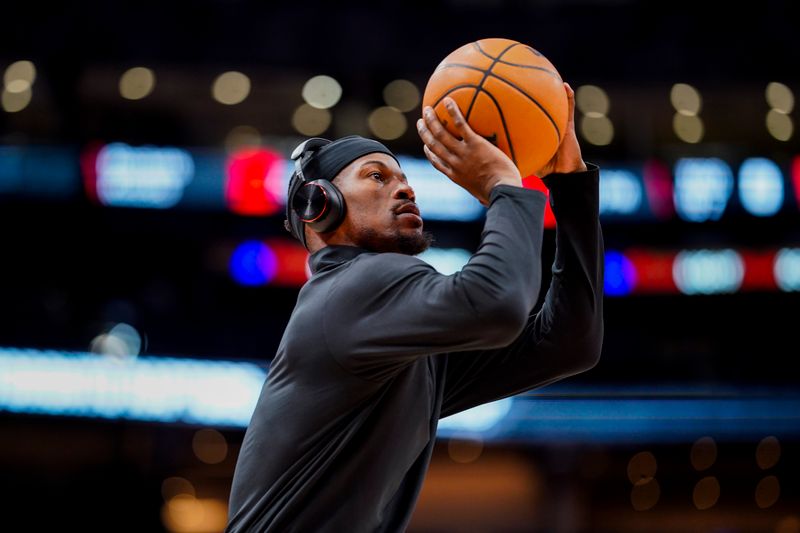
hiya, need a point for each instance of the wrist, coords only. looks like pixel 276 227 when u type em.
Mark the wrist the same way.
pixel 492 183
pixel 575 166
pixel 516 181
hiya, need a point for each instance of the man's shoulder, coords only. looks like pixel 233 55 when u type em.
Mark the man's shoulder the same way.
pixel 390 261
pixel 372 269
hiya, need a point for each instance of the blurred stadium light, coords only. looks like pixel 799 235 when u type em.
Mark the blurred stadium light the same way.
pixel 224 394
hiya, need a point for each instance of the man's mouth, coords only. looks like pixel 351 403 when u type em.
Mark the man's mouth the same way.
pixel 408 208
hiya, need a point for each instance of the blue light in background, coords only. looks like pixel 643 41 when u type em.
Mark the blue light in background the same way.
pixel 446 260
pixel 702 188
pixel 439 198
pixel 39 171
pixel 156 389
pixel 253 263
pixel 761 186
pixel 11 164
pixel 224 394
pixel 481 418
pixel 787 269
pixel 143 176
pixel 620 274
pixel 708 271
pixel 621 192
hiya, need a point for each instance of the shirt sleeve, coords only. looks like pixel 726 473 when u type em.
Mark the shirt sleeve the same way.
pixel 388 309
pixel 565 336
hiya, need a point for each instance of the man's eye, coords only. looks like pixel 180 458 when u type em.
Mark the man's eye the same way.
pixel 377 175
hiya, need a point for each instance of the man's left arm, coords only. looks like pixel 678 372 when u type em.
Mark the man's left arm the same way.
pixel 565 337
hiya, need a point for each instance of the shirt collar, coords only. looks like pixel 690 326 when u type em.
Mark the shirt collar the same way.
pixel 333 255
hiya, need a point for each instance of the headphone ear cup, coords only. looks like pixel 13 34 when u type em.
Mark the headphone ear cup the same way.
pixel 320 204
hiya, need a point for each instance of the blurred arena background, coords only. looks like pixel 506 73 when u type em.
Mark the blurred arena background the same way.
pixel 146 277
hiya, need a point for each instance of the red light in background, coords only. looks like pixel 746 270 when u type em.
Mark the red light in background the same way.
pixel 292 262
pixel 248 173
pixel 658 189
pixel 88 164
pixel 796 179
pixel 533 182
pixel 758 270
pixel 653 271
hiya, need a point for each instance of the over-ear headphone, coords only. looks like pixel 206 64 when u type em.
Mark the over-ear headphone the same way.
pixel 317 202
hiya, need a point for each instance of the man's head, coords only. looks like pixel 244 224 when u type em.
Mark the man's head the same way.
pixel 380 213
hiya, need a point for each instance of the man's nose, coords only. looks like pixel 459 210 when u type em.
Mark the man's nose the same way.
pixel 404 192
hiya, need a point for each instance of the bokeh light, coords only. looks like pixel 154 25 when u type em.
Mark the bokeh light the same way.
pixel 254 181
pixel 210 446
pixel 310 120
pixel 14 102
pixel 780 97
pixel 592 101
pixel 768 452
pixel 644 496
pixel 620 274
pixel 175 486
pixel 685 99
pixel 780 125
pixel 768 491
pixel 704 453
pixel 387 123
pixel 465 449
pixel 322 92
pixel 706 493
pixel 688 128
pixel 187 514
pixel 790 524
pixel 253 263
pixel 231 88
pixel 136 83
pixel 642 468
pixel 121 341
pixel 402 95
pixel 20 71
pixel 597 130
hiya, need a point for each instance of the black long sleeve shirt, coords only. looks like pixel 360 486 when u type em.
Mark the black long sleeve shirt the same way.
pixel 380 346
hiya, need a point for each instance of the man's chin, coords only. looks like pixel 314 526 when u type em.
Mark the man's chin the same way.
pixel 414 243
pixel 404 242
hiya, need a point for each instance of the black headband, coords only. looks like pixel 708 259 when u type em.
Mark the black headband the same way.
pixel 326 163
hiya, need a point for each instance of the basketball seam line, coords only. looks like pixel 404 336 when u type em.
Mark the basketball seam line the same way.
pixel 532 99
pixel 512 84
pixel 532 67
pixel 452 89
pixel 503 120
pixel 496 104
pixel 486 75
pixel 509 63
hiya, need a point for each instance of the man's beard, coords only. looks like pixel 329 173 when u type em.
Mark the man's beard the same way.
pixel 413 244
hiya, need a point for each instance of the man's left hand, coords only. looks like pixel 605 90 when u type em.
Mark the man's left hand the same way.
pixel 568 156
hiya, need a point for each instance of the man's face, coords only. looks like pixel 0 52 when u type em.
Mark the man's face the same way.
pixel 381 212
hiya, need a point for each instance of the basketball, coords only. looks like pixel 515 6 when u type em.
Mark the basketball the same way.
pixel 509 93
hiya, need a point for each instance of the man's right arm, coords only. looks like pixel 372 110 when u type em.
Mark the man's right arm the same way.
pixel 387 310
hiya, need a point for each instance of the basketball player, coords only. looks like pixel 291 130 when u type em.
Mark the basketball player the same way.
pixel 380 346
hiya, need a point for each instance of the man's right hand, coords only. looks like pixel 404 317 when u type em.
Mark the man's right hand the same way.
pixel 471 161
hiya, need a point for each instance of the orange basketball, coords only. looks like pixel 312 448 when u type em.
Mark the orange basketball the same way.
pixel 509 93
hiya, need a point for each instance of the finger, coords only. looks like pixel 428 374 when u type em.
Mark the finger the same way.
pixel 570 106
pixel 437 163
pixel 433 143
pixel 439 131
pixel 459 122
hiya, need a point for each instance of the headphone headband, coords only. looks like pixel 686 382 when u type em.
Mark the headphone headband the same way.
pixel 309 145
